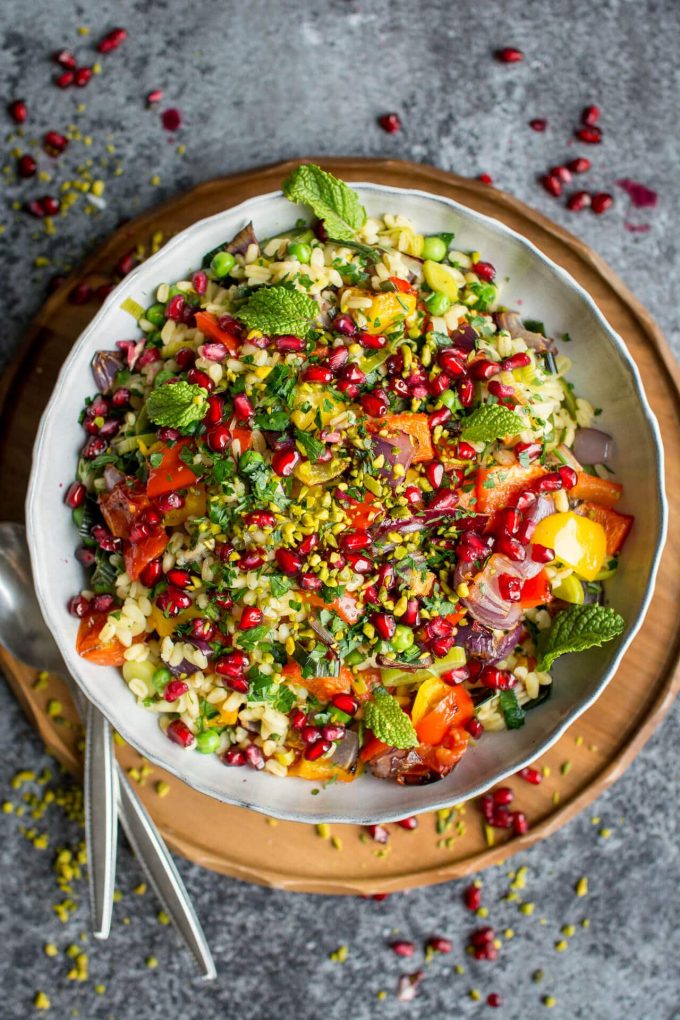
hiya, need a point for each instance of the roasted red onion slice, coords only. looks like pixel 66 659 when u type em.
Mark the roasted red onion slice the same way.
pixel 407 667
pixel 346 751
pixel 487 644
pixel 105 367
pixel 485 602
pixel 396 449
pixel 592 446
pixel 512 321
pixel 240 243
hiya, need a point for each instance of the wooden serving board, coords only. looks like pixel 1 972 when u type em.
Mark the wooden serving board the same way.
pixel 599 746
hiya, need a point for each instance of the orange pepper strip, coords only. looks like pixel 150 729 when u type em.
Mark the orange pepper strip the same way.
pixel 599 490
pixel 417 427
pixel 91 648
pixel 536 591
pixel 498 486
pixel 346 606
pixel 616 526
pixel 210 327
pixel 172 473
pixel 322 687
pixel 456 704
pixel 372 748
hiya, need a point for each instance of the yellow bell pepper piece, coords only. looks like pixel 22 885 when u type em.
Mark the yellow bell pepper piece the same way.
pixel 312 401
pixel 321 771
pixel 386 309
pixel 195 505
pixel 430 693
pixel 578 542
pixel 165 627
pixel 223 719
pixel 319 474
pixel 445 279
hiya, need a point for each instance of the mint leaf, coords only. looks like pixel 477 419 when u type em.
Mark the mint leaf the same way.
pixel 312 446
pixel 279 310
pixel 281 383
pixel 249 639
pixel 388 721
pixel 272 421
pixel 177 405
pixel 577 629
pixel 492 421
pixel 331 200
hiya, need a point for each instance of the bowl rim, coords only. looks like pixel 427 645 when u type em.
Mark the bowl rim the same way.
pixel 50 610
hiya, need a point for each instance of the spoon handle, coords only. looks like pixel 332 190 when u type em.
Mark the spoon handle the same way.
pixel 101 826
pixel 160 870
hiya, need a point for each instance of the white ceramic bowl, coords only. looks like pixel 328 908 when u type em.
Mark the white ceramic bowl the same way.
pixel 602 371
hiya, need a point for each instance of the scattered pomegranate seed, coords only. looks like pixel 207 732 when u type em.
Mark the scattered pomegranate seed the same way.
pixel 485 178
pixel 578 200
pixel 496 679
pixel 26 166
pixel 234 757
pixel 538 124
pixel 510 587
pixel 390 122
pixel 590 115
pixel 494 1000
pixel 600 202
pixel 439 944
pixel 250 617
pixel 289 562
pixel 65 79
pixel 531 775
pixel 589 135
pixel 18 111
pixel 154 96
pixel 568 476
pixel 579 165
pixel 80 294
pixel 520 823
pixel 82 77
pixel 126 263
pixel 54 143
pixel 509 55
pixel 403 948
pixel 552 184
pixel 640 195
pixel 78 606
pixel 171 119
pixel 65 59
pixel 562 172
pixel 472 897
pixel 409 823
pixel 385 624
pixel 243 407
pixel 378 833
pixel 408 985
pixel 179 733
pixel 112 40
pixel 503 796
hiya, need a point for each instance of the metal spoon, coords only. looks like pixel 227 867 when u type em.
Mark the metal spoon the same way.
pixel 24 633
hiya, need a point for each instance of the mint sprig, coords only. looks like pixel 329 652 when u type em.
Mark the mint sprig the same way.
pixel 330 199
pixel 577 629
pixel 388 721
pixel 177 405
pixel 278 310
pixel 492 421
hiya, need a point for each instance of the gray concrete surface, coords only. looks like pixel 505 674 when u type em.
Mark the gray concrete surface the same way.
pixel 263 81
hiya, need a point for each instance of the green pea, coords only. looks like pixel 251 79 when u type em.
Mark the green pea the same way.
pixel 207 742
pixel 155 314
pixel 434 249
pixel 437 303
pixel 222 264
pixel 354 658
pixel 402 639
pixel 300 251
pixel 161 677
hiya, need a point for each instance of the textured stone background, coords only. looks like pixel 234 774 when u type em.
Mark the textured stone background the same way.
pixel 259 82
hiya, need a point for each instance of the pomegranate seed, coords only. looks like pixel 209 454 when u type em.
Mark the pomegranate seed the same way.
pixel 509 521
pixel 451 362
pixel 589 135
pixel 472 897
pixel 234 757
pixel 219 438
pixel 528 451
pixel 510 587
pixel 112 40
pixel 333 732
pixel 213 416
pixel 579 165
pixel 520 823
pixel 466 391
pixel 78 606
pixel 542 554
pixel 75 495
pixel 202 629
pixel 180 733
pixel 561 172
pixel 254 757
pixel 198 378
pixel 549 483
pixel 121 398
pixel 413 495
pixel 578 200
pixel 85 557
pixel 175 307
pixel 386 576
pixel 482 937
pixel 170 501
pixel 147 357
pixel 531 775
pixel 180 578
pixel 503 796
pixel 465 452
pixel 289 562
pixel 345 325
pixel 94 447
pixel 251 560
pixel 82 76
pixel 402 948
pixel 173 601
pixel 243 407
pixel 65 79
pixel 260 519
pixel 359 563
pixel 501 391
pixel 290 344
pixel 237 683
pixel 434 471
pixel 511 548
pixel 484 369
pixel 409 823
pixel 538 124
pixel 345 703
pixel 250 617
pixel 285 461
pixel 26 166
pixel 310 734
pixel 552 184
pixel 494 1000
pixel 484 270
pixel 509 55
pixel 65 59
pixel 373 341
pixel 516 361
pixel 590 115
pixel 174 690
pixel 353 374
pixel 385 624
pixel 317 374
pixel 18 111
pixel 439 417
pixel 308 544
pixel 390 122
pixel 232 666
pixel 600 202
pixel 496 679
pixel 439 384
pixel 376 404
pixel 485 178
pixel 475 728
pixel 298 719
pixel 151 573
pixel 353 541
pixel 501 818
pixel 439 945
pixel 171 119
pixel 378 833
pixel 399 388
pixel 568 476
pixel 315 751
pixel 185 358
pixel 154 96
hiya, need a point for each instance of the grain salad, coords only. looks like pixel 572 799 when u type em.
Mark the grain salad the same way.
pixel 340 508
